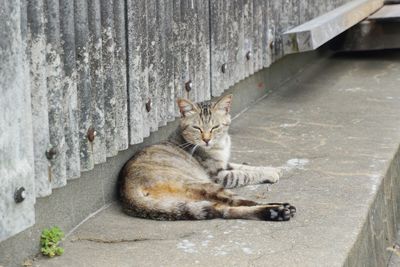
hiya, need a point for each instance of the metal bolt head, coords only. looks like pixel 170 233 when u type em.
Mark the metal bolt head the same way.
pixel 224 68
pixel 51 153
pixel 249 55
pixel 188 86
pixel 148 105
pixel 19 195
pixel 272 44
pixel 91 134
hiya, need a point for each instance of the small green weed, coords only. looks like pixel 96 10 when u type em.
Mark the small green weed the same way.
pixel 49 241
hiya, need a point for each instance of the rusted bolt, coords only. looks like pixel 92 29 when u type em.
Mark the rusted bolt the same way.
pixel 19 195
pixel 272 44
pixel 91 134
pixel 148 105
pixel 248 55
pixel 224 68
pixel 50 153
pixel 188 86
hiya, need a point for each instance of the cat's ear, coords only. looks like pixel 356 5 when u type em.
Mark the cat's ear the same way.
pixel 187 107
pixel 223 104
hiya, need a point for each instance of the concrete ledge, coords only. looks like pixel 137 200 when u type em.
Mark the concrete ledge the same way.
pixel 387 12
pixel 316 32
pixel 336 130
pixel 378 234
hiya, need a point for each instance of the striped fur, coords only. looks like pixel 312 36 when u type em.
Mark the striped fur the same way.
pixel 185 178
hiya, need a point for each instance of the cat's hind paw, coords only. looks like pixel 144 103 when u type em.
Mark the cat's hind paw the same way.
pixel 278 212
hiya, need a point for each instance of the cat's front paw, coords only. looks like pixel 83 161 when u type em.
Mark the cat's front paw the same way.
pixel 272 175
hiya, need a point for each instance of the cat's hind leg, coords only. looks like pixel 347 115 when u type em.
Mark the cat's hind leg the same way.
pixel 267 212
pixel 219 194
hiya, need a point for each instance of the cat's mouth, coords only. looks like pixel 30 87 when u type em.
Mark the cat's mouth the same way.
pixel 206 146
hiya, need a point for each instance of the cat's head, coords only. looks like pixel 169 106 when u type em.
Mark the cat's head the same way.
pixel 205 124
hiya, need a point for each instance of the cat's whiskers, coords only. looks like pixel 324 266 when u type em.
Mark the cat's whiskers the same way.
pixel 193 149
pixel 186 145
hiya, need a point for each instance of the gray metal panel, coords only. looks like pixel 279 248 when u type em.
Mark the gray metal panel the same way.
pixel 160 66
pixel 137 70
pixel 55 94
pixel 153 58
pixel 224 46
pixel 240 55
pixel 274 10
pixel 217 59
pixel 83 83
pixel 179 89
pixel 169 59
pixel 190 21
pixel 230 79
pixel 197 60
pixel 185 48
pixel 233 43
pixel 203 49
pixel 144 72
pixel 70 94
pixel 37 57
pixel 120 72
pixel 267 35
pixel 16 149
pixel 306 11
pixel 96 76
pixel 248 35
pixel 290 18
pixel 107 23
pixel 258 35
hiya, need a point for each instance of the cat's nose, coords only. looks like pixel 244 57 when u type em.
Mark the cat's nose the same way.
pixel 206 140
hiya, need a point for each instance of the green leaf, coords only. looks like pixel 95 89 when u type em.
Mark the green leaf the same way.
pixel 49 240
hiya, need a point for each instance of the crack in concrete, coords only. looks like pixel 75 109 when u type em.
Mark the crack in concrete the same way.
pixel 123 240
pixel 113 241
pixel 344 173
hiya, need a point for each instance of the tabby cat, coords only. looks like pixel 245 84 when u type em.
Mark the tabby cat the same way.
pixel 185 177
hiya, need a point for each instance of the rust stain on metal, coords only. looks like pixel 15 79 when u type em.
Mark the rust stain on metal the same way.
pixel 91 134
pixel 148 105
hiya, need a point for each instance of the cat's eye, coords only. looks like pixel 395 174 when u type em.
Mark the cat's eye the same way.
pixel 215 127
pixel 197 128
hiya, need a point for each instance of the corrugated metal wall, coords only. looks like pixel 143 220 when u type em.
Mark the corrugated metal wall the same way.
pixel 104 74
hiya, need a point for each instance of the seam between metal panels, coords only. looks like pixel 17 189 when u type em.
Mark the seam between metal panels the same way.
pixel 210 46
pixel 127 68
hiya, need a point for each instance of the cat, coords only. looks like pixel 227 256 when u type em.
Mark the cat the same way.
pixel 185 177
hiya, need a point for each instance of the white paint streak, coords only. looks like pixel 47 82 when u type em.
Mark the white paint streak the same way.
pixel 352 90
pixel 288 125
pixel 187 246
pixel 247 251
pixel 295 164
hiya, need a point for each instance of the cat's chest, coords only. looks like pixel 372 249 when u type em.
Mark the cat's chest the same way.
pixel 223 151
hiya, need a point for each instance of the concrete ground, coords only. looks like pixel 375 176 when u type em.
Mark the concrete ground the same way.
pixel 336 130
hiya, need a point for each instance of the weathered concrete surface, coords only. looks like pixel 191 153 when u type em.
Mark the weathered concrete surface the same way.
pixel 336 129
